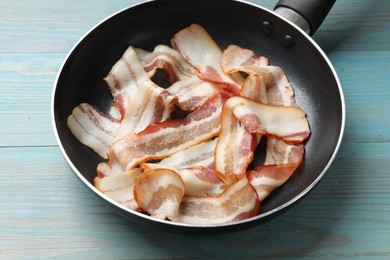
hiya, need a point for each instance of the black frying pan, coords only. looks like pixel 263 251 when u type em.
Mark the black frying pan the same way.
pixel 145 25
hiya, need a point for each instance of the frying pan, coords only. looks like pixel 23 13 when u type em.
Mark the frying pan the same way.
pixel 286 44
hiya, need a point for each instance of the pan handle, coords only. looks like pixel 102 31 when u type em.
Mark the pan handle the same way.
pixel 307 14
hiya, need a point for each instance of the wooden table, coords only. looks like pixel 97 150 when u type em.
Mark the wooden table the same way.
pixel 45 211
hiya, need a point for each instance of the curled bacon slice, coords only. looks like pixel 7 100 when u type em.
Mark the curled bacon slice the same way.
pixel 192 92
pixel 201 154
pixel 159 192
pixel 236 144
pixel 235 147
pixel 195 165
pixel 279 89
pixel 163 139
pixel 119 187
pixel 168 59
pixel 201 51
pixel 237 202
pixel 279 152
pixel 286 123
pixel 266 178
pixel 92 128
pixel 124 78
pixel 242 117
pixel 199 180
pixel 235 58
pixel 151 104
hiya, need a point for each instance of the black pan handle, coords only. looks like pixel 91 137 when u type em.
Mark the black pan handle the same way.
pixel 312 11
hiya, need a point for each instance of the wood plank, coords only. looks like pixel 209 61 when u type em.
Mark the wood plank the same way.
pixel 26 83
pixel 50 26
pixel 46 211
pixel 356 25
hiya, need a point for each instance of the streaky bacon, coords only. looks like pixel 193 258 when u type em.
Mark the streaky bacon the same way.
pixel 119 187
pixel 255 89
pixel 237 202
pixel 234 149
pixel 196 167
pixel 93 128
pixel 201 154
pixel 151 104
pixel 199 180
pixel 159 192
pixel 265 178
pixel 163 139
pixel 168 59
pixel 279 89
pixel 201 51
pixel 234 57
pixel 286 123
pixel 124 78
pixel 192 92
pixel 280 152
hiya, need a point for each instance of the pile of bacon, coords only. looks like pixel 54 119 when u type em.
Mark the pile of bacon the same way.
pixel 194 169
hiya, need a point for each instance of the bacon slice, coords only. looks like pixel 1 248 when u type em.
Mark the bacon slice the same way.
pixel 151 104
pixel 234 149
pixel 279 89
pixel 159 192
pixel 163 139
pixel 201 154
pixel 286 123
pixel 235 58
pixel 92 128
pixel 192 92
pixel 279 152
pixel 237 202
pixel 124 78
pixel 264 179
pixel 119 187
pixel 168 59
pixel 198 180
pixel 195 165
pixel 201 51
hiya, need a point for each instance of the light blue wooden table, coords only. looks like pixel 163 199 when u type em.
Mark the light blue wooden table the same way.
pixel 45 211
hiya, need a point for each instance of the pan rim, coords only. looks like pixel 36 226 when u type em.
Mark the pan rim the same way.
pixel 185 225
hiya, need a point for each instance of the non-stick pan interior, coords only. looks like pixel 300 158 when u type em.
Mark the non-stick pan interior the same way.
pixel 229 22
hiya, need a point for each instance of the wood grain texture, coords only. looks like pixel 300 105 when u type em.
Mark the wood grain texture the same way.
pixel 46 212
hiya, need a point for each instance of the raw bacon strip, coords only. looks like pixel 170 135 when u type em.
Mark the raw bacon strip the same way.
pixel 201 154
pixel 255 89
pixel 151 104
pixel 264 179
pixel 159 192
pixel 200 50
pixel 236 144
pixel 279 89
pixel 286 123
pixel 124 78
pixel 234 57
pixel 198 180
pixel 195 165
pixel 92 128
pixel 192 92
pixel 237 202
pixel 163 139
pixel 235 148
pixel 119 187
pixel 168 59
pixel 279 152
